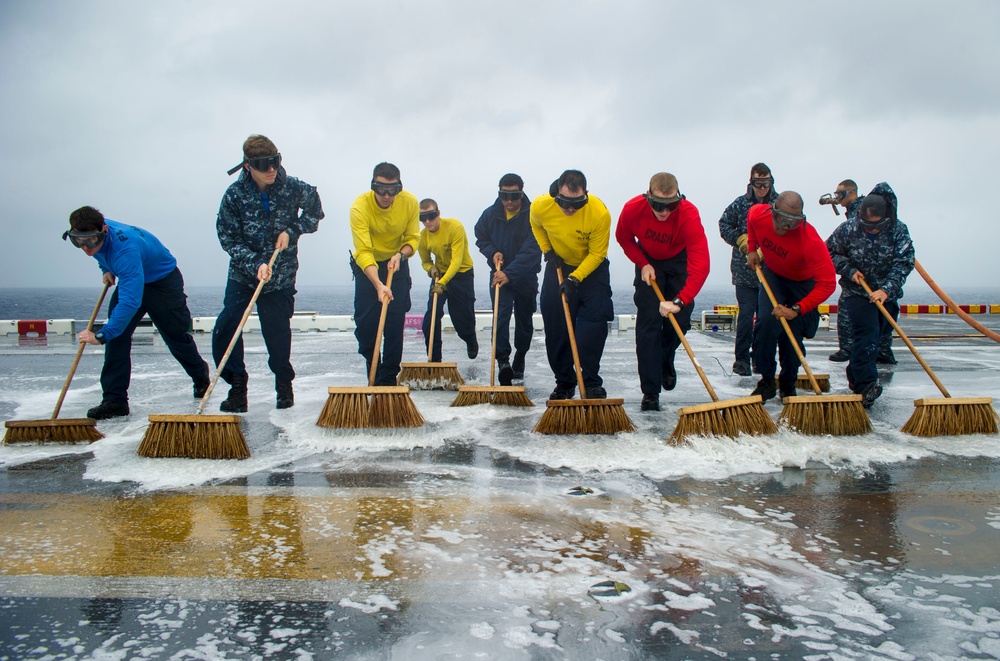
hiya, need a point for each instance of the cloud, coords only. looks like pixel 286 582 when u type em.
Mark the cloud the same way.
pixel 140 108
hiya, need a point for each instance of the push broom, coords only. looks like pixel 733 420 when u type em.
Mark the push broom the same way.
pixel 430 375
pixel 954 307
pixel 839 415
pixel 348 407
pixel 950 416
pixel 54 430
pixel 493 394
pixel 731 417
pixel 581 416
pixel 201 436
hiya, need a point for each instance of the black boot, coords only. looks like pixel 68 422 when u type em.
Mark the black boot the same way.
pixel 285 399
pixel 236 401
pixel 108 409
pixel 518 365
pixel 504 373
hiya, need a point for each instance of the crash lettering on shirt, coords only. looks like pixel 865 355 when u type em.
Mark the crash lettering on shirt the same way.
pixel 768 244
pixel 584 236
pixel 659 237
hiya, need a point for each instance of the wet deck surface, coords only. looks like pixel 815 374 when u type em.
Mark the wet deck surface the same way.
pixel 474 538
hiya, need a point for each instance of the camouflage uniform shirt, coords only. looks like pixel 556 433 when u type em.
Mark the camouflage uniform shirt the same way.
pixel 250 221
pixel 734 223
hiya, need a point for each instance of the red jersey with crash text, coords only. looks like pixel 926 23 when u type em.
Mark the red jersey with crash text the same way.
pixel 798 255
pixel 642 237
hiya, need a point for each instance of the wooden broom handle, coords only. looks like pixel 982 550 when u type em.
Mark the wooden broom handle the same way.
pixel 434 309
pixel 788 331
pixel 493 342
pixel 572 337
pixel 236 337
pixel 376 352
pixel 950 303
pixel 906 340
pixel 687 347
pixel 79 352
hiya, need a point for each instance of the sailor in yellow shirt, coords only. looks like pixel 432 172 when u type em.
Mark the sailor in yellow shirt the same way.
pixel 444 254
pixel 385 229
pixel 573 229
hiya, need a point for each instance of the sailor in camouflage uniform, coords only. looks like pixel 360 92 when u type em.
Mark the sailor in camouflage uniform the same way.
pixel 874 245
pixel 733 228
pixel 263 210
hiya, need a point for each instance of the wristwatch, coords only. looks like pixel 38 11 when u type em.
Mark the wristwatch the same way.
pixel 797 309
pixel 678 302
pixel 99 336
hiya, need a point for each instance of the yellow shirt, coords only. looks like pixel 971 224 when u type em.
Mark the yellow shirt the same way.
pixel 450 247
pixel 380 233
pixel 580 239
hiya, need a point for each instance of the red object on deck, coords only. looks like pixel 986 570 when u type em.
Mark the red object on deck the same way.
pixel 27 326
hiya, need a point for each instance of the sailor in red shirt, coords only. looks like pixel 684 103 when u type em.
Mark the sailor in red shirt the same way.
pixel 801 275
pixel 661 232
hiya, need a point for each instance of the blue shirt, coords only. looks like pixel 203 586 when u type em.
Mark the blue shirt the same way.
pixel 134 257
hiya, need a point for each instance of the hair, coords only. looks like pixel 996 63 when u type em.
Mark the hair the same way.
pixel 760 169
pixel 790 200
pixel 511 179
pixel 86 219
pixel 386 171
pixel 663 181
pixel 849 184
pixel 258 145
pixel 428 202
pixel 572 179
pixel 873 205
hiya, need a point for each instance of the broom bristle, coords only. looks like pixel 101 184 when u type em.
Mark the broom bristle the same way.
pixel 472 395
pixel 350 408
pixel 430 376
pixel 584 416
pixel 837 415
pixel 952 417
pixel 394 410
pixel 67 430
pixel 726 418
pixel 194 437
pixel 510 397
pixel 822 380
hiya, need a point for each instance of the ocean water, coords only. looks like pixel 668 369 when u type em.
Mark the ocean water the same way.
pixel 78 302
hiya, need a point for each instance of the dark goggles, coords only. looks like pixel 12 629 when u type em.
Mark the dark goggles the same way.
pixel 572 202
pixel 787 221
pixel 841 194
pixel 264 163
pixel 391 190
pixel 661 204
pixel 874 224
pixel 762 183
pixel 510 195
pixel 90 239
pixel 427 216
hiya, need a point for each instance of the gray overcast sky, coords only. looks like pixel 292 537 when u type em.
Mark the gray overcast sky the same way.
pixel 139 108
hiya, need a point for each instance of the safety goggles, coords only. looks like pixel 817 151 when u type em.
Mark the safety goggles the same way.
pixel 874 224
pixel 841 194
pixel 392 190
pixel 572 202
pixel 510 195
pixel 785 220
pixel 762 183
pixel 661 204
pixel 90 239
pixel 428 216
pixel 264 163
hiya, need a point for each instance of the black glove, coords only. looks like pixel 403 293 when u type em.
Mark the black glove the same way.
pixel 552 256
pixel 568 286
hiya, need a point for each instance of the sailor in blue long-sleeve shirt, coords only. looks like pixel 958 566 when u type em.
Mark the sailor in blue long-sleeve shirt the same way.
pixel 149 282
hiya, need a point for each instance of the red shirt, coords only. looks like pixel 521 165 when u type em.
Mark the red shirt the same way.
pixel 798 255
pixel 638 230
